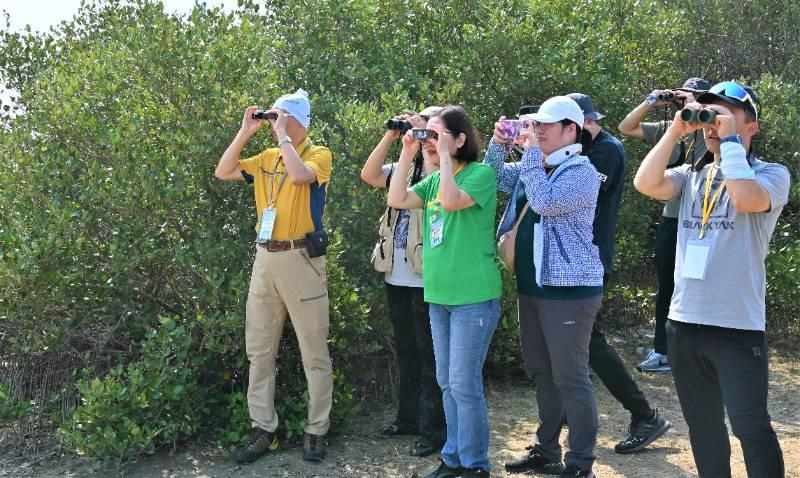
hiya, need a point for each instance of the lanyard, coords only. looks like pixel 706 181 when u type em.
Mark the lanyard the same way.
pixel 709 206
pixel 690 149
pixel 439 193
pixel 273 194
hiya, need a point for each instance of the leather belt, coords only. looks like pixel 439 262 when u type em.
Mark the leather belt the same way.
pixel 278 246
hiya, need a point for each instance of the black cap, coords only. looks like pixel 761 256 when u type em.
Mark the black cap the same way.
pixel 528 109
pixel 585 102
pixel 695 85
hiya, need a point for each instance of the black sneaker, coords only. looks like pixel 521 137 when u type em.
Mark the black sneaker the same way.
pixel 572 471
pixel 536 462
pixel 394 429
pixel 643 433
pixel 445 471
pixel 475 473
pixel 313 447
pixel 260 443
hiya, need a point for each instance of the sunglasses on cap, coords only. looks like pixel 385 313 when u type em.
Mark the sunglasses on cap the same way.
pixel 734 90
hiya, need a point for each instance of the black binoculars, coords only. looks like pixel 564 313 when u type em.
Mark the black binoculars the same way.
pixel 705 116
pixel 400 125
pixel 424 134
pixel 528 109
pixel 265 115
pixel 667 96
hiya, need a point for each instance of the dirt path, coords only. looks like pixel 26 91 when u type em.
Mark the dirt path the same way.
pixel 359 453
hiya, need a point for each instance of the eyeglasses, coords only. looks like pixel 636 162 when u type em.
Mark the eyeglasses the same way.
pixel 538 124
pixel 734 90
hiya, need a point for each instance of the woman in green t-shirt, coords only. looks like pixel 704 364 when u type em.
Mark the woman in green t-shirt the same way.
pixel 460 278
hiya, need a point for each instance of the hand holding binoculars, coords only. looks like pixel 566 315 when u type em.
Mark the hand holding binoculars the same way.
pixel 396 124
pixel 265 115
pixel 705 116
pixel 676 98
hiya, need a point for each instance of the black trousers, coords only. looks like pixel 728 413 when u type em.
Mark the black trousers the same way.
pixel 612 371
pixel 420 406
pixel 718 369
pixel 666 244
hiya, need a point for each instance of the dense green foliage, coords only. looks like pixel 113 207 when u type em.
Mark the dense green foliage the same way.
pixel 125 259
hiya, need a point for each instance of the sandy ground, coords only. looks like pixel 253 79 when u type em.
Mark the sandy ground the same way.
pixel 360 453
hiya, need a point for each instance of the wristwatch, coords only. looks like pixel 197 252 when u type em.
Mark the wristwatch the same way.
pixel 285 139
pixel 734 138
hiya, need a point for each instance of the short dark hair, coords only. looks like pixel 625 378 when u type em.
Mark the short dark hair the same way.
pixel 457 121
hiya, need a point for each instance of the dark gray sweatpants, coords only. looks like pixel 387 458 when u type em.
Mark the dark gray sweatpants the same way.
pixel 555 348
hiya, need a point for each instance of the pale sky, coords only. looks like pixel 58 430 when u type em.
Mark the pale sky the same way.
pixel 41 14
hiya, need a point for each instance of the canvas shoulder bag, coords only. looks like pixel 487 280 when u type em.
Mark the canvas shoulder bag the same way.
pixel 506 244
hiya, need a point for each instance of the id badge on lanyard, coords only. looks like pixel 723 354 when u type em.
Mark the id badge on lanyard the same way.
pixel 268 216
pixel 436 219
pixel 437 226
pixel 270 213
pixel 698 251
pixel 695 259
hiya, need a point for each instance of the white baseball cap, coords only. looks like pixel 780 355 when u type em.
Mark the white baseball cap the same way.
pixel 297 105
pixel 558 108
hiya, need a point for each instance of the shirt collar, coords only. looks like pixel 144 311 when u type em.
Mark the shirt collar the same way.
pixel 300 147
pixel 560 155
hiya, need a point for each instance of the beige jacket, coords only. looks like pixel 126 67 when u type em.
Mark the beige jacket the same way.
pixel 383 254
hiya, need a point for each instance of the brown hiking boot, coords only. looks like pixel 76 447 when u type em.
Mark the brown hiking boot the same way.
pixel 261 441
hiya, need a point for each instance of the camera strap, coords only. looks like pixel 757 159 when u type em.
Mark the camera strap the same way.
pixel 687 152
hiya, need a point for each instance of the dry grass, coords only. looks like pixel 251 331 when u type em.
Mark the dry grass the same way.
pixel 360 453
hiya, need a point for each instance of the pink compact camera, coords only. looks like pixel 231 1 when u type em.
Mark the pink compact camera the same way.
pixel 512 128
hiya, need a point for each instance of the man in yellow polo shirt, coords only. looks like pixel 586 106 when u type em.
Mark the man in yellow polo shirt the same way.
pixel 290 190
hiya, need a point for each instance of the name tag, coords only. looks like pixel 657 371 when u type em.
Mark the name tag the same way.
pixel 437 228
pixel 695 259
pixel 268 216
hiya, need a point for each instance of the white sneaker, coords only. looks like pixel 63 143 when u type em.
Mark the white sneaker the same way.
pixel 654 362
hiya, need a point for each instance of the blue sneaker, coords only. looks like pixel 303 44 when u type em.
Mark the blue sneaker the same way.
pixel 654 362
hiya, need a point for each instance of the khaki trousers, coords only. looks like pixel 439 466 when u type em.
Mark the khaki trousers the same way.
pixel 288 282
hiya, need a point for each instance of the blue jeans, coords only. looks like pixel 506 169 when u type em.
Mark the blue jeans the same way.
pixel 461 337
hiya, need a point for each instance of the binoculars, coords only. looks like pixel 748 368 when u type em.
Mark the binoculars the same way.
pixel 400 125
pixel 424 134
pixel 264 115
pixel 667 96
pixel 705 116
